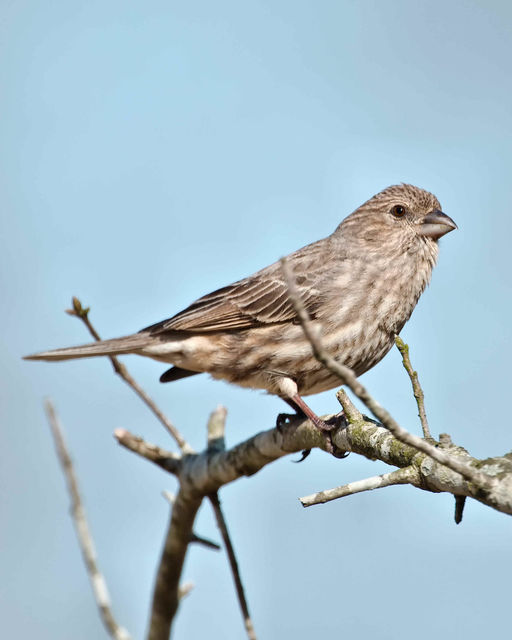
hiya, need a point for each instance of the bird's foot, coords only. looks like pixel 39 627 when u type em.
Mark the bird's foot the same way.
pixel 324 426
pixel 284 419
pixel 339 421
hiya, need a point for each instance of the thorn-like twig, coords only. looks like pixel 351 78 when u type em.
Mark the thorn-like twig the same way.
pixel 348 377
pixel 406 475
pixel 416 386
pixel 98 583
pixel 82 313
pixel 184 589
pixel 221 523
pixel 460 501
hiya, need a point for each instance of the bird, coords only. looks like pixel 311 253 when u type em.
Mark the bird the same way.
pixel 359 286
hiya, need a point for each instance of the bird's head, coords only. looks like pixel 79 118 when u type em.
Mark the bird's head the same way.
pixel 402 215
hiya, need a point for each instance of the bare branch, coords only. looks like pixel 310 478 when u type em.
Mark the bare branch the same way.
pixel 82 313
pixel 352 413
pixel 205 473
pixel 216 429
pixel 166 595
pixel 205 542
pixel 416 387
pixel 216 443
pixel 223 527
pixel 407 475
pixel 348 377
pixel 98 583
pixel 167 460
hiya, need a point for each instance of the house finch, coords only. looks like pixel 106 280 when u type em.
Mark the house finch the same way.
pixel 360 285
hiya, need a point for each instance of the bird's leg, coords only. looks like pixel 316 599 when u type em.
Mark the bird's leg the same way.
pixel 303 409
pixel 283 418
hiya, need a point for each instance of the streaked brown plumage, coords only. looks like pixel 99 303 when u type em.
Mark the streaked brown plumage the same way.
pixel 360 284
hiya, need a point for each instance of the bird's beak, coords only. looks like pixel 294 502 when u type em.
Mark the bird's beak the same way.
pixel 436 224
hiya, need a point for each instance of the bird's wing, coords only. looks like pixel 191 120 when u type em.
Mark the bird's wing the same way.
pixel 258 300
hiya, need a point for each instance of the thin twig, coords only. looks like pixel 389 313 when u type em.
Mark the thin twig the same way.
pixel 416 386
pixel 98 583
pixel 167 460
pixel 217 444
pixel 221 523
pixel 82 313
pixel 348 377
pixel 205 542
pixel 407 475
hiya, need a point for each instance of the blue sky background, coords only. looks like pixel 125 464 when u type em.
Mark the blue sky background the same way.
pixel 151 152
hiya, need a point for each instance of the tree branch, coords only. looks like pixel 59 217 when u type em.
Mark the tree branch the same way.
pixel 166 595
pixel 347 377
pixel 172 463
pixel 443 467
pixel 407 475
pixel 223 528
pixel 205 542
pixel 216 443
pixel 167 460
pixel 98 583
pixel 416 387
pixel 82 313
pixel 206 472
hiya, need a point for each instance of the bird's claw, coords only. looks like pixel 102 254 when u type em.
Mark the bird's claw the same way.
pixel 304 454
pixel 327 426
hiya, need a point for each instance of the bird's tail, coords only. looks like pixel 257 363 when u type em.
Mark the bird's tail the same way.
pixel 114 347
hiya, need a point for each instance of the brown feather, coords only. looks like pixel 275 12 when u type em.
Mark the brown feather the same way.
pixel 259 300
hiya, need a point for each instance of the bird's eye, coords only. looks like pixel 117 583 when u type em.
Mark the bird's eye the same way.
pixel 398 211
